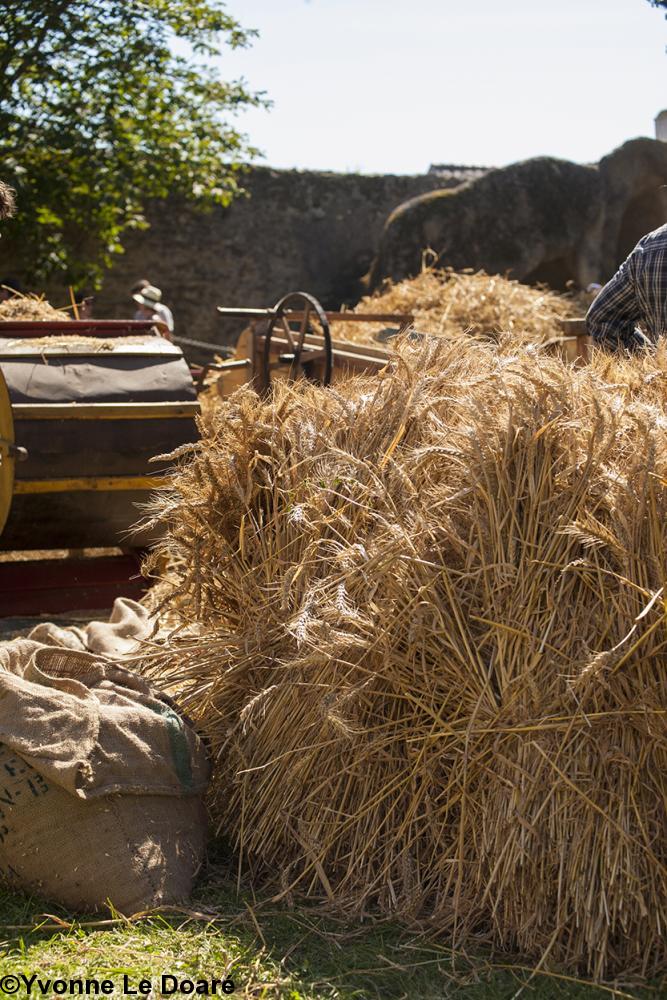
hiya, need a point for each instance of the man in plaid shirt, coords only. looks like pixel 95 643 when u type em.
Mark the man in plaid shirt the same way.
pixel 637 294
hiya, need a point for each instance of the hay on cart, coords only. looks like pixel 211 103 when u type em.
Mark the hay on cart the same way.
pixel 447 303
pixel 28 308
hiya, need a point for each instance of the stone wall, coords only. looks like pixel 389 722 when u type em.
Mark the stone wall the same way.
pixel 297 230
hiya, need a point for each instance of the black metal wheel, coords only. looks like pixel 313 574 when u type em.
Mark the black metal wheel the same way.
pixel 296 309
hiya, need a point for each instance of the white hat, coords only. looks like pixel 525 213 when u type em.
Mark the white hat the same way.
pixel 149 296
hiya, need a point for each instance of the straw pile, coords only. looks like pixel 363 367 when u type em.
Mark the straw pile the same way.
pixel 447 303
pixel 29 307
pixel 422 620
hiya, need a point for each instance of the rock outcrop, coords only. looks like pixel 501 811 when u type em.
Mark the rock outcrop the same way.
pixel 539 220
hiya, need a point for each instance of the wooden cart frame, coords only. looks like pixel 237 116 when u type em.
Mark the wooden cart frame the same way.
pixel 294 339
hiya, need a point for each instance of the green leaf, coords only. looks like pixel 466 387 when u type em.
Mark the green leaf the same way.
pixel 98 116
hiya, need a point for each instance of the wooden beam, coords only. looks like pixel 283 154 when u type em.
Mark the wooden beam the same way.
pixel 103 484
pixel 103 411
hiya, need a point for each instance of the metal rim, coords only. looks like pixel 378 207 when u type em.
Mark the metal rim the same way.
pixel 301 359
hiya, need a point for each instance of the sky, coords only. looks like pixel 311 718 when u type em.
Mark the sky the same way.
pixel 392 86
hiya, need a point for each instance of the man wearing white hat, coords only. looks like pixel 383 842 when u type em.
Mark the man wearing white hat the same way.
pixel 148 299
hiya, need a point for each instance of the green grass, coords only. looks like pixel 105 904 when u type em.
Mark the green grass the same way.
pixel 268 952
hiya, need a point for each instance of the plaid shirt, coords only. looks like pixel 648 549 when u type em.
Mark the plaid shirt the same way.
pixel 636 294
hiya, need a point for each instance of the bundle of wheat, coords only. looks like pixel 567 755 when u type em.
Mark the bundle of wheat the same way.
pixel 422 622
pixel 447 303
pixel 29 307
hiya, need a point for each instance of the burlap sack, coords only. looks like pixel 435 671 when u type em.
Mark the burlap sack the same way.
pixel 101 784
pixel 128 624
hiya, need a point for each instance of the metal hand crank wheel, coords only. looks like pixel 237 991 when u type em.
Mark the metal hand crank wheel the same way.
pixel 300 357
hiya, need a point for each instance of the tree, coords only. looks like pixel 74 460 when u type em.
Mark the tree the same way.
pixel 105 104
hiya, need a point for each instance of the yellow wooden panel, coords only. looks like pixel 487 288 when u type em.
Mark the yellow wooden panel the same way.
pixel 104 411
pixel 101 483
